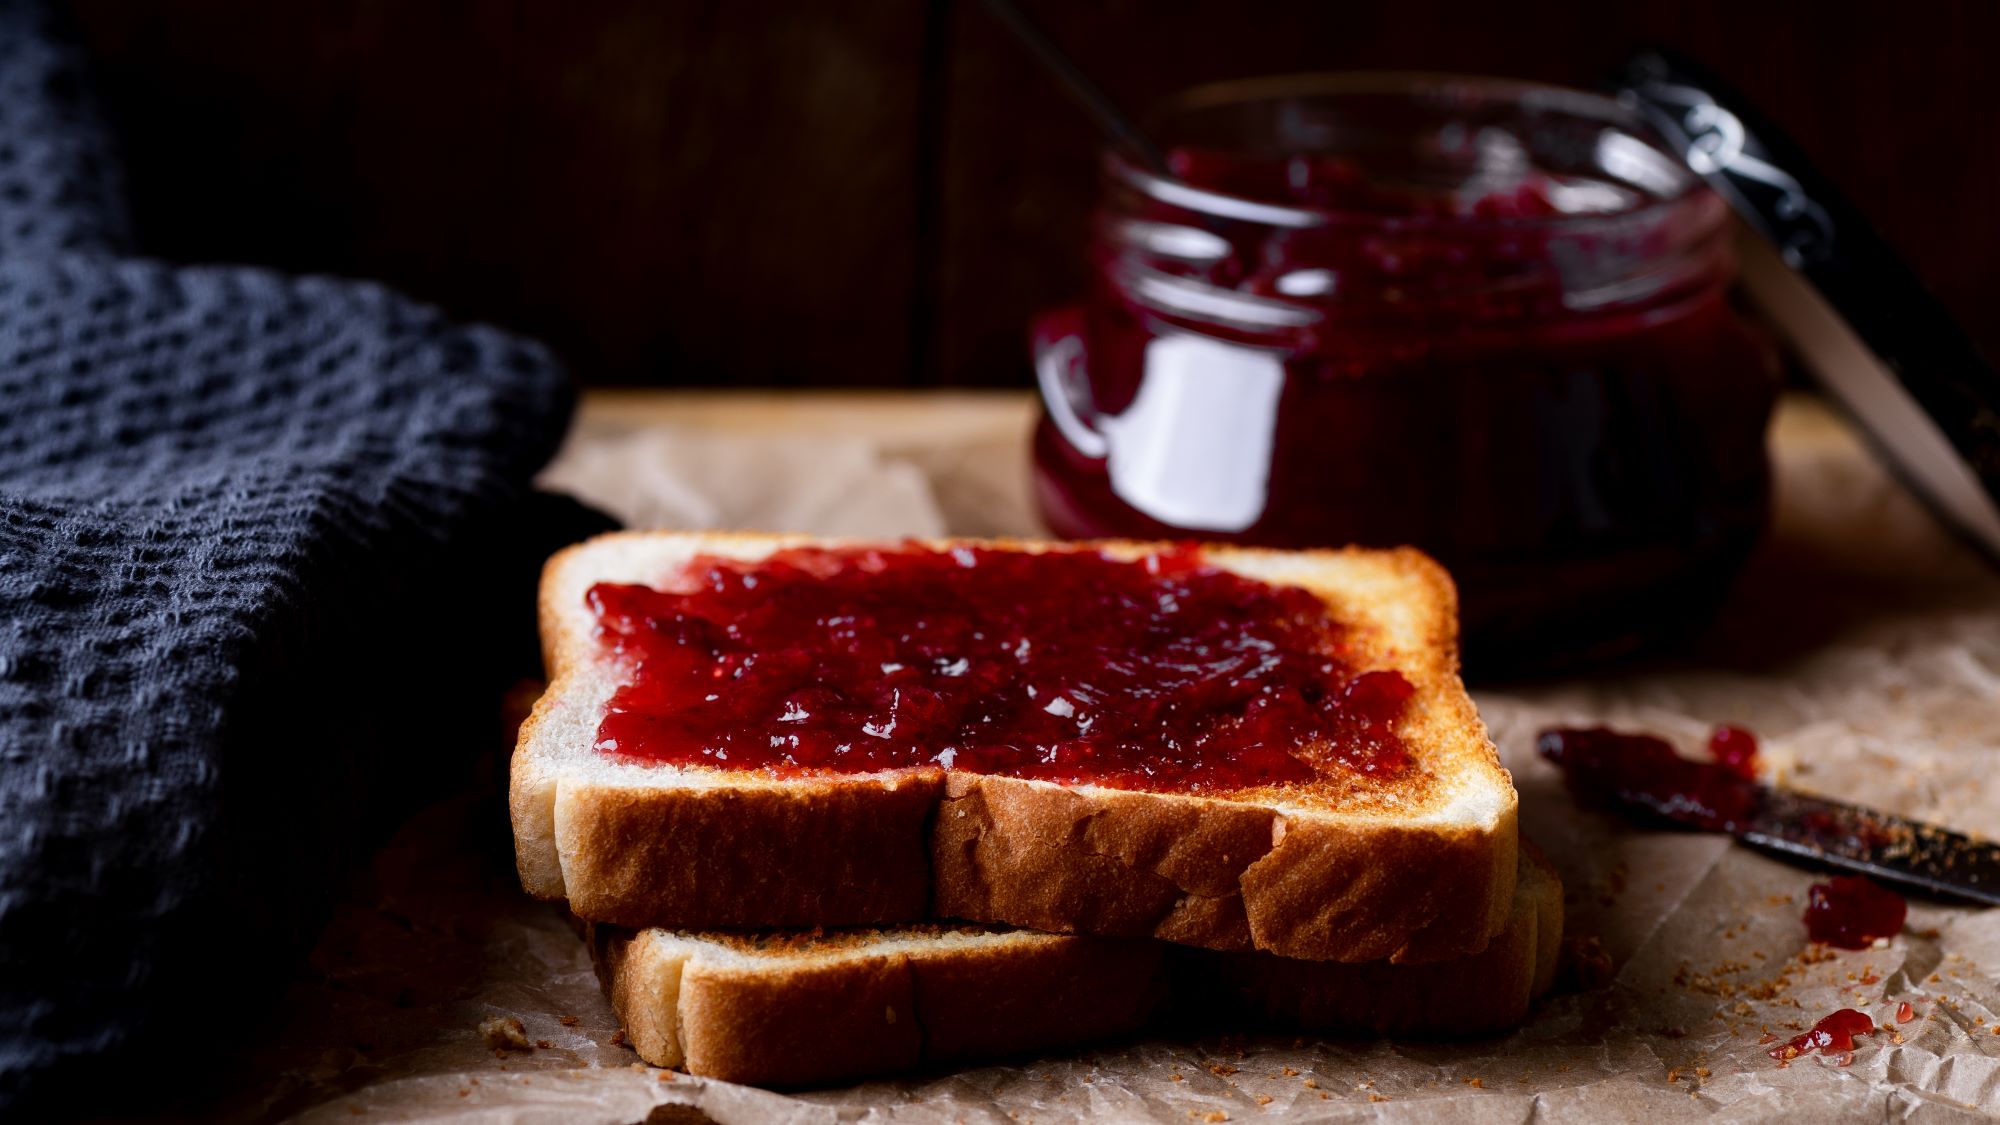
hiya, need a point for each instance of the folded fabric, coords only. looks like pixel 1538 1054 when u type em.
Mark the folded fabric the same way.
pixel 256 541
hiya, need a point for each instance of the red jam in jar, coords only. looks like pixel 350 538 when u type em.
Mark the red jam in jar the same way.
pixel 1486 319
pixel 1161 672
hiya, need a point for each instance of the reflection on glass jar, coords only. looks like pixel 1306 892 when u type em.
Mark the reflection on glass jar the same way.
pixel 1487 319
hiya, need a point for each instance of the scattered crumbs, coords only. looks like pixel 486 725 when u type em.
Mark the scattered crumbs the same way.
pixel 618 1038
pixel 1373 1097
pixel 1871 978
pixel 1996 1029
pixel 1673 1074
pixel 1311 1084
pixel 1701 1072
pixel 569 1021
pixel 1214 1115
pixel 475 1081
pixel 464 1091
pixel 1476 1083
pixel 1175 1077
pixel 1290 1072
pixel 543 1044
pixel 1934 978
pixel 1221 1070
pixel 1767 1037
pixel 504 1033
pixel 1895 1037
pixel 1264 1099
pixel 1927 935
pixel 665 1076
pixel 1779 900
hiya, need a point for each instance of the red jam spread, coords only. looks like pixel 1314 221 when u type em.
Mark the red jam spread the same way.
pixel 1850 911
pixel 1604 763
pixel 1158 673
pixel 1833 1036
pixel 1536 378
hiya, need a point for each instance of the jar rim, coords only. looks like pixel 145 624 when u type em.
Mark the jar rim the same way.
pixel 1416 86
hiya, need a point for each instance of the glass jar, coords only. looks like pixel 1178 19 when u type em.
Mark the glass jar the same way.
pixel 1488 319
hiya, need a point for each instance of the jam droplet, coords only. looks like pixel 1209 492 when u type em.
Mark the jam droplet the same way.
pixel 1736 749
pixel 1833 1035
pixel 1850 911
pixel 1905 1013
pixel 1604 763
pixel 1162 672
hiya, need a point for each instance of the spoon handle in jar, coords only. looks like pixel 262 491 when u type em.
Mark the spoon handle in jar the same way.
pixel 1113 120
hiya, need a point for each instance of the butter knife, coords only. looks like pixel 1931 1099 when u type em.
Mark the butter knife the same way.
pixel 1640 773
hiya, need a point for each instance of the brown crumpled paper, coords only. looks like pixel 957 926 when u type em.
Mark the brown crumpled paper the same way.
pixel 1863 646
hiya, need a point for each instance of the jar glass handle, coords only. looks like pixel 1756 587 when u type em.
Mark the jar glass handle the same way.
pixel 1061 372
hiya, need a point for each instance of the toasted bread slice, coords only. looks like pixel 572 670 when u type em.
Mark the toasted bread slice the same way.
pixel 805 1008
pixel 1347 868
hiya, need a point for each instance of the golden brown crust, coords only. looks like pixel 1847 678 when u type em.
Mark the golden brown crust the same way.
pixel 811 1008
pixel 845 853
pixel 1357 884
pixel 1485 992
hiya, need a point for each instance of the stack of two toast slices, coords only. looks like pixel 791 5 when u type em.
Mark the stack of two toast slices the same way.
pixel 766 921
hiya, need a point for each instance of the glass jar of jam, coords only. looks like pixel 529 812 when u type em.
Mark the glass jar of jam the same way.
pixel 1485 318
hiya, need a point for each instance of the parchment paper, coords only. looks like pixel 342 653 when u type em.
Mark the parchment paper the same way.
pixel 1863 646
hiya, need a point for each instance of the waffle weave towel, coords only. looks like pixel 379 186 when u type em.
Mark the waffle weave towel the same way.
pixel 252 532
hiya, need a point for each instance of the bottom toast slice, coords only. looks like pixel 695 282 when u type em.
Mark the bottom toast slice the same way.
pixel 800 1008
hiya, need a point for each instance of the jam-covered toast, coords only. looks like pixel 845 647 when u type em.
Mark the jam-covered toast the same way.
pixel 799 1008
pixel 1225 747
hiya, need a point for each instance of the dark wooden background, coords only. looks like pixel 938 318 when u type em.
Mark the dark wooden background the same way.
pixel 828 192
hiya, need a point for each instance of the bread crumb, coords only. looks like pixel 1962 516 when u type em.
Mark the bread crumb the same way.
pixel 504 1033
pixel 1214 1115
pixel 1311 1084
pixel 1221 1070
pixel 1264 1099
pixel 1701 1072
pixel 1371 1097
pixel 618 1038
pixel 1673 1074
pixel 543 1044
pixel 1290 1072
pixel 464 1091
pixel 569 1021
pixel 1476 1083
pixel 666 1076
pixel 1175 1077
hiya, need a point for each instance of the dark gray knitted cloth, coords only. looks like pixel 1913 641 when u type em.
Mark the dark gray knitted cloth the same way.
pixel 251 560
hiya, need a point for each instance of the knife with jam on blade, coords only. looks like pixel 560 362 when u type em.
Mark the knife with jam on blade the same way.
pixel 1637 771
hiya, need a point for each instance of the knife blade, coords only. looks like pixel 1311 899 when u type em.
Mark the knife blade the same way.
pixel 1643 773
pixel 1888 847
